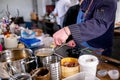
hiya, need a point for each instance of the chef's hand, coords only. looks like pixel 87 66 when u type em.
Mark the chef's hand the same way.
pixel 61 36
pixel 71 43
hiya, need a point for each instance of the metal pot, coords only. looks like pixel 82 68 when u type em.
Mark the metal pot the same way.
pixel 41 53
pixel 19 60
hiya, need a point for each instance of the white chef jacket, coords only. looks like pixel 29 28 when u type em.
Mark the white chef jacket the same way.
pixel 61 8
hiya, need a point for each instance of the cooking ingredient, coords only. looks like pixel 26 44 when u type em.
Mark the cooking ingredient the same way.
pixel 43 54
pixel 70 64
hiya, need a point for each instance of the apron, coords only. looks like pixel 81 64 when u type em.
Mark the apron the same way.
pixel 80 18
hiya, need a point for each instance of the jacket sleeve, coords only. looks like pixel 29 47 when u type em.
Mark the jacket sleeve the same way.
pixel 103 17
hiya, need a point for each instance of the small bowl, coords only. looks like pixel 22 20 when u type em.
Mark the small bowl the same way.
pixel 102 73
pixel 114 74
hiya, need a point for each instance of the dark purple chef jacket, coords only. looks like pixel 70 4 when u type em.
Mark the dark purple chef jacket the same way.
pixel 98 27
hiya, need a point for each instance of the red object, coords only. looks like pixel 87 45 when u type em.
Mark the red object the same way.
pixel 0 47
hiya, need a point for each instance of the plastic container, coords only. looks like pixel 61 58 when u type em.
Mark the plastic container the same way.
pixel 88 63
pixel 102 73
pixel 11 42
pixel 28 34
pixel 82 76
pixel 114 74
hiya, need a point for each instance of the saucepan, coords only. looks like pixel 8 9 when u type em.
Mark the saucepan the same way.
pixel 45 52
pixel 42 53
pixel 19 60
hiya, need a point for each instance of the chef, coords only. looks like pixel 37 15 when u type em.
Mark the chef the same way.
pixel 96 28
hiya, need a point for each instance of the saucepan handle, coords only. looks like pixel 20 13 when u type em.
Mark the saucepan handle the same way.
pixel 32 59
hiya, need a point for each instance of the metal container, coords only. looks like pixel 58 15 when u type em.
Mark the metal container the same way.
pixel 42 53
pixel 53 63
pixel 41 74
pixel 19 60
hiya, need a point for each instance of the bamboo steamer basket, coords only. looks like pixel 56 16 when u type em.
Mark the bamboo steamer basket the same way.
pixel 69 71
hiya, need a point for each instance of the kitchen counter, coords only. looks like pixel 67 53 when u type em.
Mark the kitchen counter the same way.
pixel 117 28
pixel 117 31
pixel 107 63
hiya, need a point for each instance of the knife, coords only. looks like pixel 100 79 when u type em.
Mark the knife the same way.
pixel 111 62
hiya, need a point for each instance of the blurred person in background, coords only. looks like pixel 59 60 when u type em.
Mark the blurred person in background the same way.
pixel 60 10
pixel 71 14
pixel 94 27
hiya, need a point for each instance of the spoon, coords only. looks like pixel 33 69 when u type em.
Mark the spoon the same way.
pixel 35 73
